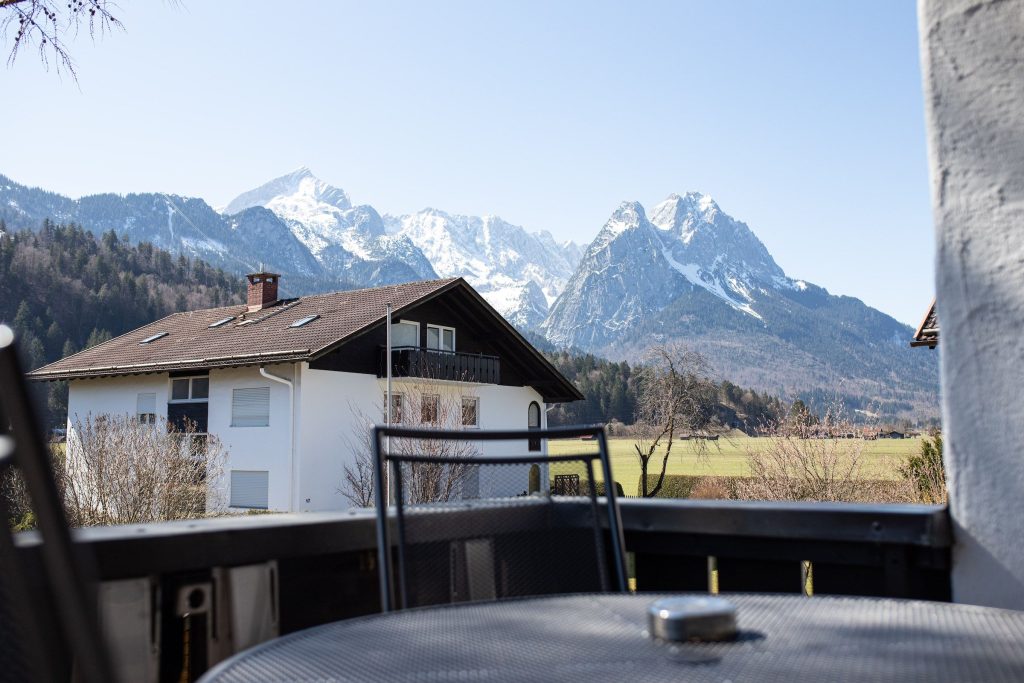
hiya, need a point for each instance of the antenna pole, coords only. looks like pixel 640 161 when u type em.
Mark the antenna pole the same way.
pixel 387 411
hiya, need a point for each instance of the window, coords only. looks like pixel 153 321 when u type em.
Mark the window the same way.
pixel 440 338
pixel 304 321
pixel 396 409
pixel 533 422
pixel 470 411
pixel 221 322
pixel 145 408
pixel 249 489
pixel 152 338
pixel 429 408
pixel 250 407
pixel 180 389
pixel 190 389
pixel 405 333
pixel 200 387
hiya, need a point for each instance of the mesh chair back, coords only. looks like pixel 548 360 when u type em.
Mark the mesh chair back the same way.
pixel 36 649
pixel 464 526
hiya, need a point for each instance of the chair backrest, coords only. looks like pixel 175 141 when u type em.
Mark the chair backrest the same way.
pixel 63 586
pixel 455 523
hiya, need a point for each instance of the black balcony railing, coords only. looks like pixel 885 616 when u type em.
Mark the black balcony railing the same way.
pixel 413 361
pixel 320 567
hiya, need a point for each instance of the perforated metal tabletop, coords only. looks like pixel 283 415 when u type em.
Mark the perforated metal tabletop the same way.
pixel 604 638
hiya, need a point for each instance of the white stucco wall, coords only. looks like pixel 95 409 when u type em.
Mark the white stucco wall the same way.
pixel 330 407
pixel 114 396
pixel 973 60
pixel 256 448
pixel 248 448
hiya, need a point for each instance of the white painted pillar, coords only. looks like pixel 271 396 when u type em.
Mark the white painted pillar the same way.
pixel 972 54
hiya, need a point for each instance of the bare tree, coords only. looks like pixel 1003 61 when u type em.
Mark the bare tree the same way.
pixel 418 402
pixel 802 459
pixel 676 398
pixel 120 471
pixel 47 24
pixel 357 481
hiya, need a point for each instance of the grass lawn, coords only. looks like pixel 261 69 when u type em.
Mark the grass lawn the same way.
pixel 728 457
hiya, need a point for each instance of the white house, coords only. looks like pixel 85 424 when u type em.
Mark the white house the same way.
pixel 289 386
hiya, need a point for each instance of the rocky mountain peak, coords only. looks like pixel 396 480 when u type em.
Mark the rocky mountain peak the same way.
pixel 675 209
pixel 296 189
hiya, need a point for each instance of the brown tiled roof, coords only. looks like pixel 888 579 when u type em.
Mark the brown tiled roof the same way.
pixel 928 331
pixel 191 343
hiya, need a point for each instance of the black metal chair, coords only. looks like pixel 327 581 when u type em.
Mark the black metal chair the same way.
pixel 43 617
pixel 463 526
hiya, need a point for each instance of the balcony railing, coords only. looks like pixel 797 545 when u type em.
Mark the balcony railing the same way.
pixel 413 361
pixel 300 570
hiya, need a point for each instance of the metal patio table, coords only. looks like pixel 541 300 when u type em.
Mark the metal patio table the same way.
pixel 604 638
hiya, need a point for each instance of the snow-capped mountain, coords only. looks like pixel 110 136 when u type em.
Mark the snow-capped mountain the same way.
pixel 312 233
pixel 348 242
pixel 686 271
pixel 183 225
pixel 520 273
pixel 691 273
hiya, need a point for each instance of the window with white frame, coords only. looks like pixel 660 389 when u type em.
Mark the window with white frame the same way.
pixel 430 408
pixel 145 408
pixel 397 403
pixel 250 407
pixel 405 333
pixel 440 337
pixel 250 489
pixel 470 411
pixel 185 389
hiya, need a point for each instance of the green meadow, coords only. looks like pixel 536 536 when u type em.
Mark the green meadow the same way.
pixel 727 457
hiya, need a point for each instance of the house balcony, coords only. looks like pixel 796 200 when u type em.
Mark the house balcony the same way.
pixel 413 361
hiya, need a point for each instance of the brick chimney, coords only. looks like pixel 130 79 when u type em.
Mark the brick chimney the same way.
pixel 262 290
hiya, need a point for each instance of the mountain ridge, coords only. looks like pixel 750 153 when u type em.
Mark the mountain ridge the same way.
pixel 683 271
pixel 692 273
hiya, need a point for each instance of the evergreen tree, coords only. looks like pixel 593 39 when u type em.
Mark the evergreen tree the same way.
pixel 61 289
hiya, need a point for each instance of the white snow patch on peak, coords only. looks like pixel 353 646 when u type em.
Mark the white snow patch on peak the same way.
pixel 629 215
pixel 518 271
pixel 787 283
pixel 706 203
pixel 300 184
pixel 695 274
pixel 677 210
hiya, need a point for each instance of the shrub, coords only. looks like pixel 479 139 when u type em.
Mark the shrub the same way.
pixel 803 459
pixel 120 471
pixel 695 486
pixel 925 473
pixel 710 488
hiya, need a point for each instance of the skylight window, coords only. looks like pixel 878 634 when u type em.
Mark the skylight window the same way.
pixel 153 338
pixel 225 321
pixel 304 321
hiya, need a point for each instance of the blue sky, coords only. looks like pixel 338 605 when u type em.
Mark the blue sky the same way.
pixel 803 119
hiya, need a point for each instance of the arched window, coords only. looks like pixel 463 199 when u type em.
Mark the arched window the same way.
pixel 533 422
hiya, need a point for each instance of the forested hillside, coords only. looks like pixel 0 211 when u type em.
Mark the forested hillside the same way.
pixel 62 289
pixel 610 393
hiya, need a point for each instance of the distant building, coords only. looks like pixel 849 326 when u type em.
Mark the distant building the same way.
pixel 287 385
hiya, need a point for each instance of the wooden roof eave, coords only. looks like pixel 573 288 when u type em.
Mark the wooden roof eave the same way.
pixel 169 366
